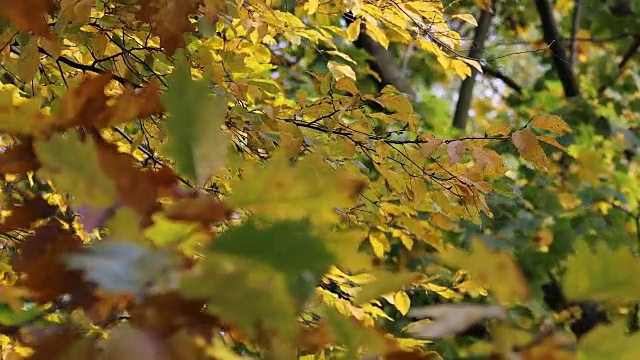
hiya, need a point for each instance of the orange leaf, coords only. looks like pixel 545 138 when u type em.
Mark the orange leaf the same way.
pixel 28 16
pixel 169 20
pixel 529 148
pixel 455 150
pixel 551 123
pixel 18 159
pixel 487 158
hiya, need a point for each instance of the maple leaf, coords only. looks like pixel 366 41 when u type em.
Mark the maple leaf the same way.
pixel 244 292
pixel 196 142
pixel 590 275
pixel 28 16
pixel 138 189
pixel 288 246
pixel 169 19
pixel 19 159
pixel 23 216
pixel 121 267
pixel 74 168
pixel 40 259
pixel 84 103
pixel 308 189
pixel 502 276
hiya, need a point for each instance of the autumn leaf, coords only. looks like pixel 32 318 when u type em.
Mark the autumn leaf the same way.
pixel 170 20
pixel 529 148
pixel 590 274
pixel 551 123
pixel 73 166
pixel 450 319
pixel 288 247
pixel 455 150
pixel 28 15
pixel 341 70
pixel 502 276
pixel 196 142
pixel 353 30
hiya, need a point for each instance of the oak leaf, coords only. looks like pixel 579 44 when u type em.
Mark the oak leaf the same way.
pixel 169 20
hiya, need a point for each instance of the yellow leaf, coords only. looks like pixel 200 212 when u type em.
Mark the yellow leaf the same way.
pixel 340 70
pixel 353 30
pixel 487 158
pixel 379 243
pixel 529 148
pixel 551 141
pixel 591 273
pixel 346 84
pixel 610 341
pixel 377 34
pixel 466 18
pixel 501 276
pixel 402 302
pixel 313 6
pixel 455 150
pixel 430 146
pixel 29 61
pixel 474 64
pixel 342 55
pixel 551 123
pixel 499 129
pixel 461 68
pixel 385 283
pixel 484 4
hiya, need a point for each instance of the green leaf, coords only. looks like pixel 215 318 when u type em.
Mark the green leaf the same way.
pixel 9 318
pixel 195 140
pixel 122 267
pixel 609 341
pixel 604 275
pixel 74 168
pixel 282 191
pixel 244 292
pixel 288 247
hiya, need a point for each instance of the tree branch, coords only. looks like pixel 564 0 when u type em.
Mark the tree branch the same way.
pixel 577 13
pixel 631 51
pixel 466 89
pixel 554 41
pixel 495 73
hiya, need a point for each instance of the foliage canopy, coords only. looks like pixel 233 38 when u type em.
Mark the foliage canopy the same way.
pixel 192 179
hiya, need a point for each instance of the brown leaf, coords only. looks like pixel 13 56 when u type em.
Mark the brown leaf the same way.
pixel 134 104
pixel 85 103
pixel 169 20
pixel 138 189
pixel 203 208
pixel 19 159
pixel 39 258
pixel 529 148
pixel 92 218
pixel 30 211
pixel 455 150
pixel 167 313
pixel 63 344
pixel 28 15
pixel 487 158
